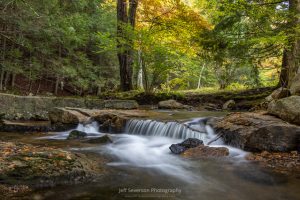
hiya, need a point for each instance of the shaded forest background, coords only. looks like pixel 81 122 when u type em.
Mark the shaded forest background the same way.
pixel 74 47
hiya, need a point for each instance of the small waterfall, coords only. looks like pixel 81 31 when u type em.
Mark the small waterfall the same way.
pixel 89 128
pixel 167 129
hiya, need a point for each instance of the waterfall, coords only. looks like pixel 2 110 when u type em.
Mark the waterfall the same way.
pixel 167 129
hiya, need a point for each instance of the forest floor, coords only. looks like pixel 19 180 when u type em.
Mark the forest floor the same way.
pixel 245 99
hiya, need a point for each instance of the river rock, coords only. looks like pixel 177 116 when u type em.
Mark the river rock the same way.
pixel 37 107
pixel 39 167
pixel 67 116
pixel 191 143
pixel 177 148
pixel 287 109
pixel 100 140
pixel 28 126
pixel 182 147
pixel 278 94
pixel 258 132
pixel 111 123
pixel 170 104
pixel 286 163
pixel 295 86
pixel 229 105
pixel 76 135
pixel 202 151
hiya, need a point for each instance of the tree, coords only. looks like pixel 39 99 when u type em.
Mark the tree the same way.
pixel 291 54
pixel 126 16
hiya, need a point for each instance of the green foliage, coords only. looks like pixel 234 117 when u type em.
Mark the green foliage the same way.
pixel 178 45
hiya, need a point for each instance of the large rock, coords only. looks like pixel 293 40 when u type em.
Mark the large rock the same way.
pixel 39 167
pixel 38 107
pixel 202 151
pixel 295 86
pixel 229 105
pixel 17 126
pixel 278 94
pixel 67 116
pixel 99 140
pixel 170 104
pixel 287 109
pixel 185 145
pixel 258 132
pixel 77 135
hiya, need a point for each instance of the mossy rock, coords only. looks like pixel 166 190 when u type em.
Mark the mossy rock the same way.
pixel 76 135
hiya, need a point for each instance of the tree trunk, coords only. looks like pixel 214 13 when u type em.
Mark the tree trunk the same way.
pixel 140 78
pixel 56 85
pixel 284 78
pixel 7 75
pixel 291 57
pixel 126 17
pixel 13 79
pixel 1 79
pixel 200 77
pixel 39 87
pixel 3 59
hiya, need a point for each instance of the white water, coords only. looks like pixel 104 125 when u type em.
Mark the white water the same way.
pixel 145 144
pixel 91 129
pixel 171 129
pixel 150 153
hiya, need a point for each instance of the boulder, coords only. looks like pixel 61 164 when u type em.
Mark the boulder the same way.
pixel 100 140
pixel 177 149
pixel 40 167
pixel 187 144
pixel 191 143
pixel 229 105
pixel 111 123
pixel 67 116
pixel 77 135
pixel 25 126
pixel 170 104
pixel 288 109
pixel 202 151
pixel 258 132
pixel 37 107
pixel 295 86
pixel 278 94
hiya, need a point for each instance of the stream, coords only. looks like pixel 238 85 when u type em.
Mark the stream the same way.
pixel 141 166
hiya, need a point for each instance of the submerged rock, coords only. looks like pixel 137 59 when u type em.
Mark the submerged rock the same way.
pixel 287 109
pixel 258 132
pixel 170 104
pixel 77 135
pixel 185 145
pixel 286 163
pixel 202 151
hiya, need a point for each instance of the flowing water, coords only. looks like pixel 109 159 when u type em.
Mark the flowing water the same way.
pixel 142 167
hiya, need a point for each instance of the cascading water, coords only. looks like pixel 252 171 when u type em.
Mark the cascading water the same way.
pixel 91 129
pixel 193 129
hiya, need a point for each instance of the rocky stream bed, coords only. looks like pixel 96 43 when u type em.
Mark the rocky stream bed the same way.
pixel 84 146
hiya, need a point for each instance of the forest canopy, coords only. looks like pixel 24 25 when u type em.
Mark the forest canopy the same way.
pixel 82 47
